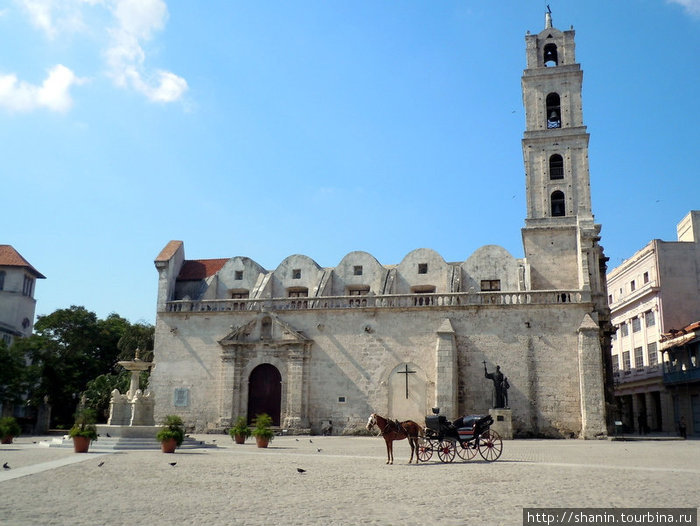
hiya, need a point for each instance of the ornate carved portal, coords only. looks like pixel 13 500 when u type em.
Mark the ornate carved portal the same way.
pixel 264 368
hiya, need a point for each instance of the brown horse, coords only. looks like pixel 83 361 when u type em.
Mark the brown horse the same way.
pixel 395 430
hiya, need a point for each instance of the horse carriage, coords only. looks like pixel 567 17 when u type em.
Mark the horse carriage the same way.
pixel 463 438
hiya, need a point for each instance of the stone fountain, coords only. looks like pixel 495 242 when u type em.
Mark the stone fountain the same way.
pixel 131 414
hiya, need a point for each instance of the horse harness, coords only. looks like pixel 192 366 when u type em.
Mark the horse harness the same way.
pixel 395 426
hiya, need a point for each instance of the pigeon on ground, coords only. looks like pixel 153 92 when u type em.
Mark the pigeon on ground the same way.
pixel 319 450
pixel 101 464
pixel 6 466
pixel 311 441
pixel 301 470
pixel 108 435
pixel 172 463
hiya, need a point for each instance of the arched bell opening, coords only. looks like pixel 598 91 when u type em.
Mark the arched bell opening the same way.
pixel 553 111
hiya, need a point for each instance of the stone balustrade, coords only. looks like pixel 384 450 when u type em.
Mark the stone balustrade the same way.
pixel 433 300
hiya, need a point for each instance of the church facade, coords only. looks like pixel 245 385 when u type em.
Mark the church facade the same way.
pixel 316 347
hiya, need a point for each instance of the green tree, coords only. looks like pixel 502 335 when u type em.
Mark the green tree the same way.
pixel 13 374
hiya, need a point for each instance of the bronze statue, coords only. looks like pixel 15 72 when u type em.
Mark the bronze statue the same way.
pixel 498 386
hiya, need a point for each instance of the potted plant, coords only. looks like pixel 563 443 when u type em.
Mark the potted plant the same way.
pixel 262 432
pixel 172 434
pixel 83 430
pixel 240 431
pixel 9 429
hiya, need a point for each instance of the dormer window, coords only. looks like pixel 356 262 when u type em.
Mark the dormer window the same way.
pixel 296 273
pixel 550 55
pixel 422 268
pixel 238 275
pixel 553 111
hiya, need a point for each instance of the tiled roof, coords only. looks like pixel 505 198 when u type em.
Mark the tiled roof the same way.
pixel 169 250
pixel 9 257
pixel 200 268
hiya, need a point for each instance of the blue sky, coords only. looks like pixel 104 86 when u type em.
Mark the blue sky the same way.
pixel 266 129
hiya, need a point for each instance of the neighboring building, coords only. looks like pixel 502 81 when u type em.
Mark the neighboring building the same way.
pixel 681 350
pixel 309 345
pixel 654 292
pixel 17 303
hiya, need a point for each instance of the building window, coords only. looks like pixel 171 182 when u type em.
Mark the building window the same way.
pixel 646 277
pixel 358 291
pixel 490 285
pixel 296 273
pixel 636 324
pixel 550 56
pixel 341 399
pixel 357 270
pixel 556 167
pixel 615 363
pixel 28 286
pixel 650 318
pixel 626 364
pixel 181 397
pixel 266 328
pixel 610 300
pixel 558 208
pixel 298 292
pixel 239 295
pixel 633 286
pixel 239 275
pixel 624 329
pixel 638 358
pixel 652 354
pixel 422 268
pixel 553 111
pixel 2 279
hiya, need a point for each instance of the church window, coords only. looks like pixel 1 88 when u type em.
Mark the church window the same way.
pixel 266 328
pixel 181 397
pixel 239 275
pixel 357 270
pixel 296 273
pixel 558 207
pixel 28 286
pixel 550 55
pixel 490 285
pixel 556 167
pixel 422 268
pixel 553 111
pixel 358 291
pixel 239 294
pixel 341 399
pixel 298 292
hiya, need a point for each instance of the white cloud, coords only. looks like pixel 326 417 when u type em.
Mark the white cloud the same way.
pixel 137 20
pixel 691 6
pixel 52 94
pixel 54 17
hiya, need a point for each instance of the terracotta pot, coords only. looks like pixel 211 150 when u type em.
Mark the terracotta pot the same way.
pixel 239 439
pixel 6 439
pixel 262 441
pixel 81 444
pixel 168 445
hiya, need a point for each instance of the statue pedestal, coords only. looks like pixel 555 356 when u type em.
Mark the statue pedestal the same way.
pixel 502 422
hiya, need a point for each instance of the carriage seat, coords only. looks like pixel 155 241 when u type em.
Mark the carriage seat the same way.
pixel 436 422
pixel 467 425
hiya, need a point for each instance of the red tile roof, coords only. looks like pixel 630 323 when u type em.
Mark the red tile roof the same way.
pixel 169 250
pixel 194 269
pixel 9 257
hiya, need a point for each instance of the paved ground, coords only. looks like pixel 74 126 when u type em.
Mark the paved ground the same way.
pixel 346 482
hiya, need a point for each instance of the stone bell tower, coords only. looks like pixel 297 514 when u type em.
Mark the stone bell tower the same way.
pixel 555 152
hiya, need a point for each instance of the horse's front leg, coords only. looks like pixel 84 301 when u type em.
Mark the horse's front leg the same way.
pixel 388 451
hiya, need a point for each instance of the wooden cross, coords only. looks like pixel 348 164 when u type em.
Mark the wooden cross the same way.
pixel 406 372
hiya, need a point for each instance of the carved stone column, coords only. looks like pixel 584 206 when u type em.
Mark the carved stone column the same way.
pixel 226 387
pixel 295 412
pixel 446 369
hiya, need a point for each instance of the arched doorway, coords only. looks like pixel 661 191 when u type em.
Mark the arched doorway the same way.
pixel 265 393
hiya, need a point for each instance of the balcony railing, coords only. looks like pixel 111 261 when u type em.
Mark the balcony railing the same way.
pixel 635 374
pixel 676 376
pixel 541 297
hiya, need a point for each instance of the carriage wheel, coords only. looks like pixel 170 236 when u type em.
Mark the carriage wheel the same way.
pixel 466 450
pixel 490 445
pixel 425 449
pixel 446 450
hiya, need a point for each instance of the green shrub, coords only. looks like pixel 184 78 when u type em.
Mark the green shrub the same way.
pixel 241 428
pixel 173 427
pixel 84 425
pixel 9 427
pixel 262 427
